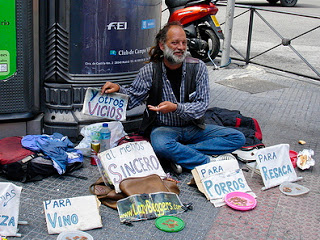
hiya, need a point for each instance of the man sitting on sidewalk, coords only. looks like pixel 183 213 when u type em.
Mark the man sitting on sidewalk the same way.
pixel 177 92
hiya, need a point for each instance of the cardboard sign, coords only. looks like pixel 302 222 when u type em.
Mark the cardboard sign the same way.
pixel 219 185
pixel 148 206
pixel 70 214
pixel 9 208
pixel 206 170
pixel 216 179
pixel 212 168
pixel 275 165
pixel 133 159
pixel 110 106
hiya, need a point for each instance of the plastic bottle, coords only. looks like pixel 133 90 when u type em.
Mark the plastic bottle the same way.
pixel 105 135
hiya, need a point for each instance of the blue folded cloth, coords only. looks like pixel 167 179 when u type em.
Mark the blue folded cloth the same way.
pixel 56 146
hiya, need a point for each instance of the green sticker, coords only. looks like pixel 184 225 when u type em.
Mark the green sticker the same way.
pixel 169 223
pixel 8 45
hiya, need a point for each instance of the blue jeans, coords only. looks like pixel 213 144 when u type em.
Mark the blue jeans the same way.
pixel 190 146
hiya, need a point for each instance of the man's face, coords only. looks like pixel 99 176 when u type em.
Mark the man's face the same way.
pixel 175 47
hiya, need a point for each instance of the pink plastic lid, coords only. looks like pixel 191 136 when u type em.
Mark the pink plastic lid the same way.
pixel 240 201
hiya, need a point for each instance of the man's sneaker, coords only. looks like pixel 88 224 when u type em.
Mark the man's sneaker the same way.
pixel 226 156
pixel 246 155
pixel 176 167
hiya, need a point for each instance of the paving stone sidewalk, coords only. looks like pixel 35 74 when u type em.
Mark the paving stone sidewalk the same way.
pixel 287 109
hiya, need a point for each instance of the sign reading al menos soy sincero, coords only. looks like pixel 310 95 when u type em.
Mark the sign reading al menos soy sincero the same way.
pixel 110 106
pixel 132 159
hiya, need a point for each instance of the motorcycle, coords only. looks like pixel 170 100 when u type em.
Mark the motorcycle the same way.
pixel 200 24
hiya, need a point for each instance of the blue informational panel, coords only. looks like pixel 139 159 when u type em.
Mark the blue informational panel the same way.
pixel 111 36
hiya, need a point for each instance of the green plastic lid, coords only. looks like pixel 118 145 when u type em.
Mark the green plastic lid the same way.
pixel 169 223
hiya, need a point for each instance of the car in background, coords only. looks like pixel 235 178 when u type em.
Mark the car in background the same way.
pixel 284 3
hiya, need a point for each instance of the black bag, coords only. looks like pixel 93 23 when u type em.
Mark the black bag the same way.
pixel 31 168
pixel 20 164
pixel 233 118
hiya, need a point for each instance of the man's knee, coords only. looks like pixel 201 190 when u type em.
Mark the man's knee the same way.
pixel 240 140
pixel 158 143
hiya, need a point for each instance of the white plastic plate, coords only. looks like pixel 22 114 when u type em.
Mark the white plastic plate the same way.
pixel 293 189
pixel 72 234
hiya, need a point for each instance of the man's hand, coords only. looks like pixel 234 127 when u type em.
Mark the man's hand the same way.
pixel 110 87
pixel 164 107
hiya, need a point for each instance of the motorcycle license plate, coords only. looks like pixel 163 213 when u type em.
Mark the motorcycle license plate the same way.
pixel 215 20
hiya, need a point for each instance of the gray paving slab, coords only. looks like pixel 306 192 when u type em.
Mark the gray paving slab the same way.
pixel 286 114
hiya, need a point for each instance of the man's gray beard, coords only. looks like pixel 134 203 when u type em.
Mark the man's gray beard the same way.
pixel 168 53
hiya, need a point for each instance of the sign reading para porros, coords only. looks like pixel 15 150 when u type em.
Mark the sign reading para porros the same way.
pixel 70 214
pixel 110 106
pixel 216 179
pixel 275 165
pixel 133 159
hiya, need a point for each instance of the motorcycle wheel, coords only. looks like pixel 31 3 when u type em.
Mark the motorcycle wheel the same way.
pixel 213 45
pixel 288 3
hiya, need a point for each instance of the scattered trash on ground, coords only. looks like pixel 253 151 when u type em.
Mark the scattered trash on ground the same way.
pixel 302 142
pixel 305 160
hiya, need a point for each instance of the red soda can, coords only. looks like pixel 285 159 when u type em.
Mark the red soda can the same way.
pixel 95 148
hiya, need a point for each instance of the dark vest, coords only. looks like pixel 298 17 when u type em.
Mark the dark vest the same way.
pixel 155 93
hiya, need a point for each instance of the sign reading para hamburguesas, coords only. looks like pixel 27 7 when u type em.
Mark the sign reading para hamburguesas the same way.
pixel 109 106
pixel 69 214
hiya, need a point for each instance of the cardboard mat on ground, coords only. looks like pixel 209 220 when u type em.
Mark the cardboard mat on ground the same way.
pixel 217 179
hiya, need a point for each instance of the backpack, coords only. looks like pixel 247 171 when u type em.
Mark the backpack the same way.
pixel 232 118
pixel 20 164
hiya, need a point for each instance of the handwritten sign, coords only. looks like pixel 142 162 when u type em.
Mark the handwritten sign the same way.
pixel 133 159
pixel 110 106
pixel 69 214
pixel 275 165
pixel 212 168
pixel 9 208
pixel 148 206
pixel 216 179
pixel 221 184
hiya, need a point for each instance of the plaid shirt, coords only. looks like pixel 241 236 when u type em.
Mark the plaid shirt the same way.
pixel 186 111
